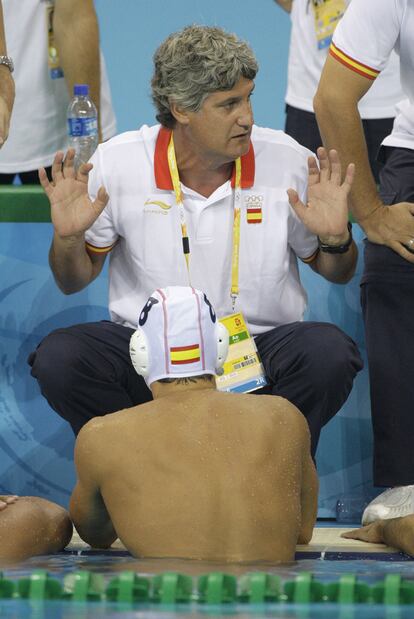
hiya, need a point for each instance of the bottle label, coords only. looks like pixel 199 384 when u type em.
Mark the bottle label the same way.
pixel 79 127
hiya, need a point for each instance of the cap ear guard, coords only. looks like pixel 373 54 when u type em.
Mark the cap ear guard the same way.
pixel 138 351
pixel 222 337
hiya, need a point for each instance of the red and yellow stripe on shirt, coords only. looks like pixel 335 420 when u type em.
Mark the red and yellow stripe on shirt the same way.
pixel 184 354
pixel 99 250
pixel 352 64
pixel 254 215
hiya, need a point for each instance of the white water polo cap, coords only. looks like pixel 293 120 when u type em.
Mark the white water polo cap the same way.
pixel 178 335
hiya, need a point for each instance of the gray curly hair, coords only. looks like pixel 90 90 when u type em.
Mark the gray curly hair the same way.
pixel 195 62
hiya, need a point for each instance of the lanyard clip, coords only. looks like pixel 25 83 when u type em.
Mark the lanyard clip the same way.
pixel 233 301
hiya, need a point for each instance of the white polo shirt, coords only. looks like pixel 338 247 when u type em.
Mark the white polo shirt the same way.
pixel 307 56
pixel 364 41
pixel 38 126
pixel 141 227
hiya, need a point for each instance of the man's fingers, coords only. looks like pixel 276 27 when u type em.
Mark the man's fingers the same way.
pixel 83 172
pixel 293 196
pixel 349 177
pixel 335 165
pixel 296 204
pixel 69 164
pixel 400 249
pixel 351 534
pixel 101 201
pixel 7 500
pixel 313 171
pixel 10 499
pixel 44 181
pixel 324 163
pixel 57 167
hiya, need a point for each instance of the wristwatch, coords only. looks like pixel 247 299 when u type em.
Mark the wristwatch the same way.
pixel 337 249
pixel 6 60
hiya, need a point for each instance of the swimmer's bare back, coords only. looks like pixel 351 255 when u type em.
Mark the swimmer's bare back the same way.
pixel 206 475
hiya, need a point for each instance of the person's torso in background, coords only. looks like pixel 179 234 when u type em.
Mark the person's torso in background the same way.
pixel 38 124
pixel 307 55
pixel 403 130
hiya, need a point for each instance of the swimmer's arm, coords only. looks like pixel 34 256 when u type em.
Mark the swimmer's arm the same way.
pixel 87 508
pixel 90 516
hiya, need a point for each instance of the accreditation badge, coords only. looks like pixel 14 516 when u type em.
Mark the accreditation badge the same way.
pixel 243 371
pixel 327 15
pixel 55 70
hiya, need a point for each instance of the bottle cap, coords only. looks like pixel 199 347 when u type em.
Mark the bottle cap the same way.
pixel 81 90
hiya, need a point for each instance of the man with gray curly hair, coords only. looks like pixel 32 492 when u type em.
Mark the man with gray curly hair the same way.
pixel 196 64
pixel 206 198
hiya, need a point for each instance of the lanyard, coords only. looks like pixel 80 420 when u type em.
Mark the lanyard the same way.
pixel 172 165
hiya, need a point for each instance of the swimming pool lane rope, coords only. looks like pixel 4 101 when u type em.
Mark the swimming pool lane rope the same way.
pixel 212 588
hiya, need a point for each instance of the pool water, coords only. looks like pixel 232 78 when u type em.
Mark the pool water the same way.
pixel 326 568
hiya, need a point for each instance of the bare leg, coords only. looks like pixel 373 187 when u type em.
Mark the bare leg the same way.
pixel 32 526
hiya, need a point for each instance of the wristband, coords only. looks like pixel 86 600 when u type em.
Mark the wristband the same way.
pixel 337 249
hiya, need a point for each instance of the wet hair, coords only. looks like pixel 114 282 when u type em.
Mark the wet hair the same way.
pixel 186 380
pixel 195 62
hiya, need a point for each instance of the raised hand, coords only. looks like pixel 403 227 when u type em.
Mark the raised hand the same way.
pixel 72 211
pixel 326 211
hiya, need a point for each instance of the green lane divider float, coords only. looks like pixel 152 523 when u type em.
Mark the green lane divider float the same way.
pixel 171 588
pixel 23 204
pixel 214 588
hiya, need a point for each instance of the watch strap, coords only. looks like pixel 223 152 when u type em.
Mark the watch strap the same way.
pixel 337 249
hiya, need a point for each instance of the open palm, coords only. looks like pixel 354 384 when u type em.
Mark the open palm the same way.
pixel 326 211
pixel 72 211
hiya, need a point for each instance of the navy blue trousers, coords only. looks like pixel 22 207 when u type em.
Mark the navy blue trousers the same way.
pixel 302 126
pixel 85 371
pixel 387 297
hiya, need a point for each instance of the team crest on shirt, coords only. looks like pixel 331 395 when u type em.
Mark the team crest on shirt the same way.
pixel 254 205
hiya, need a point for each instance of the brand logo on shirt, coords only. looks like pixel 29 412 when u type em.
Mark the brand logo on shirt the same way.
pixel 254 209
pixel 159 203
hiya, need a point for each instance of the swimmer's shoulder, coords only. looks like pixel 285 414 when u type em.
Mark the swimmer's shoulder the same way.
pixel 281 411
pixel 262 407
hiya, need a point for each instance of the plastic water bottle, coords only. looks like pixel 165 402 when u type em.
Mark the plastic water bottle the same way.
pixel 82 124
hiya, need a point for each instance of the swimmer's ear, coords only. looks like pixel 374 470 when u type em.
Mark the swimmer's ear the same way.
pixel 222 342
pixel 138 351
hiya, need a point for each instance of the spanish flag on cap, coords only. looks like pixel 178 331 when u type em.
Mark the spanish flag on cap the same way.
pixel 180 355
